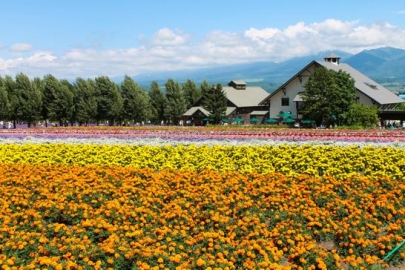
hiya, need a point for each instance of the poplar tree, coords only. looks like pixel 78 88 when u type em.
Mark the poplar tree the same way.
pixel 4 102
pixel 51 87
pixel 215 101
pixel 136 105
pixel 13 98
pixel 191 93
pixel 85 100
pixel 158 103
pixel 176 103
pixel 109 100
pixel 30 99
pixel 204 87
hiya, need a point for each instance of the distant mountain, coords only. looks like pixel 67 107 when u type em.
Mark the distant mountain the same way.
pixel 385 65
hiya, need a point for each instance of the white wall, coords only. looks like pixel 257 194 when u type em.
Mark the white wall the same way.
pixel 291 90
pixel 363 99
pixel 296 86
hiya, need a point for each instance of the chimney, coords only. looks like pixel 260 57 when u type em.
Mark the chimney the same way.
pixel 332 58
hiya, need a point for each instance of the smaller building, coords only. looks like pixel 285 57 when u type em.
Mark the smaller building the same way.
pixel 242 105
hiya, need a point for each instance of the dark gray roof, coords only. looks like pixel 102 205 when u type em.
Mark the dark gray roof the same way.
pixel 366 85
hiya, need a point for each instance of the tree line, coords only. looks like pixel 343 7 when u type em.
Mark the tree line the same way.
pixel 98 100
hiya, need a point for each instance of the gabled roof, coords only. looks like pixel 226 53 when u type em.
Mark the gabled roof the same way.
pixel 283 86
pixel 363 83
pixel 248 96
pixel 193 110
pixel 366 85
pixel 332 55
pixel 251 96
pixel 238 82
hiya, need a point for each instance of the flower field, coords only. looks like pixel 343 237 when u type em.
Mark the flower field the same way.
pixel 206 198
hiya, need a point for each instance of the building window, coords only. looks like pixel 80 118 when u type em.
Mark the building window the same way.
pixel 285 101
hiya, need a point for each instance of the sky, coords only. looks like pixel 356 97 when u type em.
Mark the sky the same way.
pixel 90 38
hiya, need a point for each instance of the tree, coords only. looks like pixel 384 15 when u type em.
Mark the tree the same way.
pixel 57 101
pixel 204 87
pixel 328 95
pixel 362 115
pixel 86 103
pixel 13 97
pixel 136 105
pixel 4 103
pixel 215 101
pixel 400 107
pixel 109 100
pixel 69 95
pixel 30 99
pixel 51 87
pixel 158 103
pixel 191 93
pixel 176 103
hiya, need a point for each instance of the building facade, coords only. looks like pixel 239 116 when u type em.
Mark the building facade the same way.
pixel 242 105
pixel 287 97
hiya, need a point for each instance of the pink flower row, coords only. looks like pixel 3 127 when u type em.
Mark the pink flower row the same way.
pixel 208 133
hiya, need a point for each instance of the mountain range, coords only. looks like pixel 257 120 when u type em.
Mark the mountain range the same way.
pixel 385 65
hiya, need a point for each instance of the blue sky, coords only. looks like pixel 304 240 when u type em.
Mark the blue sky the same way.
pixel 89 38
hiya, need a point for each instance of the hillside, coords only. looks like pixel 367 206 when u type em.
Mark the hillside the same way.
pixel 384 65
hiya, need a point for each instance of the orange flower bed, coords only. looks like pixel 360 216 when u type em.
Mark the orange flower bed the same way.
pixel 100 217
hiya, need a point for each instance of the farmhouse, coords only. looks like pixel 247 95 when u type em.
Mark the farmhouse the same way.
pixel 287 98
pixel 242 104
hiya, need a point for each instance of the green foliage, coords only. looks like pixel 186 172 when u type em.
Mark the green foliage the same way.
pixel 50 88
pixel 30 99
pixel 328 96
pixel 85 100
pixel 157 103
pixel 135 101
pixel 362 115
pixel 215 101
pixel 204 87
pixel 4 103
pixel 57 97
pixel 70 100
pixel 109 100
pixel 176 103
pixel 401 107
pixel 191 93
pixel 12 95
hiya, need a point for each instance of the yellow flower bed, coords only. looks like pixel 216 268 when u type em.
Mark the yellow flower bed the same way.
pixel 99 217
pixel 340 162
pixel 186 207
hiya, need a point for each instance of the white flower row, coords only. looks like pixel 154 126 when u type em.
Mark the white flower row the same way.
pixel 209 142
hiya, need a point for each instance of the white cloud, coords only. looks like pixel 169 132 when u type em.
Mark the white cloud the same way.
pixel 301 39
pixel 172 50
pixel 21 47
pixel 166 37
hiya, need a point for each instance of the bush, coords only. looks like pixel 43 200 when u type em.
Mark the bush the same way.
pixel 362 115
